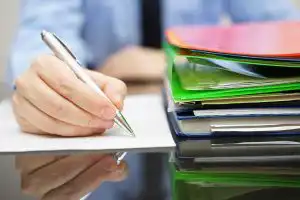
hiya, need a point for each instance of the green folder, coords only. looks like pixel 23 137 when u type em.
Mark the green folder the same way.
pixel 189 185
pixel 204 76
pixel 181 95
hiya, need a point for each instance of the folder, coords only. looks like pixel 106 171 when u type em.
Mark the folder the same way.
pixel 234 126
pixel 275 39
pixel 265 101
pixel 179 94
pixel 232 102
pixel 235 145
pixel 205 76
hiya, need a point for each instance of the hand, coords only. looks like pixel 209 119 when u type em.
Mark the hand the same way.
pixel 66 177
pixel 135 64
pixel 50 99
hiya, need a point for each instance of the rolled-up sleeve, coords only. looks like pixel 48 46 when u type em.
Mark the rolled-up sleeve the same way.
pixel 63 17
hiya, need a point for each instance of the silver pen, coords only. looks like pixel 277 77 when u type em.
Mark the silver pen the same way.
pixel 62 52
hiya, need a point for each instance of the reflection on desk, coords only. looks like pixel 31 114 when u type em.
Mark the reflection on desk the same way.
pixel 67 176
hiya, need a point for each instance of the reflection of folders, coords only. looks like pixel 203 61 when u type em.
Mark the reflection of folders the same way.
pixel 249 163
pixel 229 180
pixel 187 163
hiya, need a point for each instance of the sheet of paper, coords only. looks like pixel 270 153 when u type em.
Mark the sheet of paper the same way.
pixel 144 113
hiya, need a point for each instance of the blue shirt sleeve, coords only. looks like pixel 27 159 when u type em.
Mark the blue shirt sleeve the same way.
pixel 64 18
pixel 261 10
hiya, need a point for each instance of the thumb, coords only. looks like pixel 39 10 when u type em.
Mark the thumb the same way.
pixel 115 89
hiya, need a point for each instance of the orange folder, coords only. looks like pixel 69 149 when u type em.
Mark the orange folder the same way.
pixel 265 39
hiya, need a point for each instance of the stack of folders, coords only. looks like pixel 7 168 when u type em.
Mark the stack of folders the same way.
pixel 232 98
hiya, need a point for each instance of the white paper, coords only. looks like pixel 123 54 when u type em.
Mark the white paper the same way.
pixel 144 113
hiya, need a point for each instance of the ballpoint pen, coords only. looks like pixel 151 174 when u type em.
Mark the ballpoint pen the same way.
pixel 62 52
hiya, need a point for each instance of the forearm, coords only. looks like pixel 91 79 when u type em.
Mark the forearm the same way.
pixel 61 17
pixel 135 64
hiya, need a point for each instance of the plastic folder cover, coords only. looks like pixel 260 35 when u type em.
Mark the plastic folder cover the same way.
pixel 182 95
pixel 275 39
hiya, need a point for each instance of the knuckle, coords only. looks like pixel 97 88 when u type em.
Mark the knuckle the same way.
pixel 58 109
pixel 28 187
pixel 37 62
pixel 64 85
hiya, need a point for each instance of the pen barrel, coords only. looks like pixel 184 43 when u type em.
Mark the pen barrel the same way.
pixel 63 53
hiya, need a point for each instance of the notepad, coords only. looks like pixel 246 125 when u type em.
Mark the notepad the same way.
pixel 144 113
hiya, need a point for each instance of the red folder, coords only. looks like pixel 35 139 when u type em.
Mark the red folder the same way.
pixel 266 39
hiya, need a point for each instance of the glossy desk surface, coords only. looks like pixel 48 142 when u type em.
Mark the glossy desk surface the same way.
pixel 72 176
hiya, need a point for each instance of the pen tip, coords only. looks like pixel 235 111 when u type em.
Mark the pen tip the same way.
pixel 121 121
pixel 131 132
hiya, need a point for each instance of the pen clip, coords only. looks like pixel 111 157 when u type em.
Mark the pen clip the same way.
pixel 65 46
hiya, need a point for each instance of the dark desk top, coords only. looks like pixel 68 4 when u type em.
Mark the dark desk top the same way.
pixel 143 176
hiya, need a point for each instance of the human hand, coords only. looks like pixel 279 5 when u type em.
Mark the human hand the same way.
pixel 50 99
pixel 135 64
pixel 58 177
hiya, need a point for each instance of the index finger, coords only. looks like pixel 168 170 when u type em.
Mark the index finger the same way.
pixel 57 75
pixel 28 163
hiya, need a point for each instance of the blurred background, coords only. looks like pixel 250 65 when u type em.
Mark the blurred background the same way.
pixel 8 23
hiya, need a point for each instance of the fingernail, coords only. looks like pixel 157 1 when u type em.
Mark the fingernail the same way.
pixel 121 168
pixel 109 124
pixel 110 164
pixel 118 98
pixel 108 113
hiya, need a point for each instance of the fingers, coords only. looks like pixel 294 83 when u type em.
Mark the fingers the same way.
pixel 56 173
pixel 24 124
pixel 54 105
pixel 104 170
pixel 115 89
pixel 46 123
pixel 67 85
pixel 30 163
pixel 51 99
